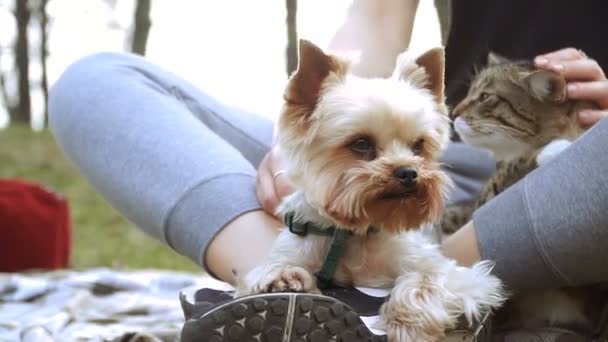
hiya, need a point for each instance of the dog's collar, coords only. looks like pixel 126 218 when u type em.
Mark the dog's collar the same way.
pixel 305 228
pixel 336 249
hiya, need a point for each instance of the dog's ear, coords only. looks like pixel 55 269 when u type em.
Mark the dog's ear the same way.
pixel 546 86
pixel 313 67
pixel 425 71
pixel 433 62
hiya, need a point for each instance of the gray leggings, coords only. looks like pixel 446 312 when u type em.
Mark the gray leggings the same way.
pixel 181 166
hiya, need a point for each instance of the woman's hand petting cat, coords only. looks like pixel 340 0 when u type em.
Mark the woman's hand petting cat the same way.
pixel 272 182
pixel 585 77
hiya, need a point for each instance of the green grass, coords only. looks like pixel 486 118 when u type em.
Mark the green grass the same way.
pixel 101 236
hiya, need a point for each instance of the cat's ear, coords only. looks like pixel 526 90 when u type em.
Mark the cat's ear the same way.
pixel 496 59
pixel 433 62
pixel 546 85
pixel 314 66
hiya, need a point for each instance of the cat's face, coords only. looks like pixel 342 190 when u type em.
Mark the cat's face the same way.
pixel 511 108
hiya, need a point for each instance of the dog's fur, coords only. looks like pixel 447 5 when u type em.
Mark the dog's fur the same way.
pixel 327 112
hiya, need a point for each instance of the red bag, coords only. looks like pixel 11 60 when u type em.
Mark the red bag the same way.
pixel 35 227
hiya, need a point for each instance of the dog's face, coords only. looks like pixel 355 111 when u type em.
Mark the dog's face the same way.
pixel 363 151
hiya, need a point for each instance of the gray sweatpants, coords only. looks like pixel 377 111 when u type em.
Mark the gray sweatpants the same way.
pixel 180 166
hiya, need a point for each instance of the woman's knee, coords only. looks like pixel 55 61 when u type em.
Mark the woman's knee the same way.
pixel 85 71
pixel 84 84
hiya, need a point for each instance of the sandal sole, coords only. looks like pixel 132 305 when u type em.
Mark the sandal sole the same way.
pixel 279 317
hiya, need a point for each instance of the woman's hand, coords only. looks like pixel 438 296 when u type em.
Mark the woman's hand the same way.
pixel 586 80
pixel 272 183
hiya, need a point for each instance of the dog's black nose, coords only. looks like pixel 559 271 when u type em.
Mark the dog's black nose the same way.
pixel 406 175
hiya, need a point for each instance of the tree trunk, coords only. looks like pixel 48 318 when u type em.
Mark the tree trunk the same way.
pixel 292 36
pixel 3 93
pixel 44 18
pixel 142 27
pixel 22 59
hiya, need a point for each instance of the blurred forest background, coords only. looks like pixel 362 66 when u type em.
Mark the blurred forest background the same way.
pixel 225 47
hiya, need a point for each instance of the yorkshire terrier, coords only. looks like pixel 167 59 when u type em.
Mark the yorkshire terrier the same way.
pixel 362 155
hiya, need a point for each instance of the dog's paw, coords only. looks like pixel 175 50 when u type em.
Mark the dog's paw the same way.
pixel 397 332
pixel 477 290
pixel 423 324
pixel 283 278
pixel 551 150
pixel 418 309
pixel 289 279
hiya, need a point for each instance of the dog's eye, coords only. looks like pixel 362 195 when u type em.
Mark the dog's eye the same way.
pixel 483 96
pixel 418 146
pixel 363 147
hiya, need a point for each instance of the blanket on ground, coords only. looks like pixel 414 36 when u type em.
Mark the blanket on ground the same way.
pixel 129 306
pixel 94 305
pixel 104 305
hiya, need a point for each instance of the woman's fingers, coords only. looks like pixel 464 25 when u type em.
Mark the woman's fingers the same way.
pixel 272 182
pixel 585 77
pixel 594 91
pixel 578 70
pixel 265 186
pixel 282 185
pixel 567 54
pixel 590 117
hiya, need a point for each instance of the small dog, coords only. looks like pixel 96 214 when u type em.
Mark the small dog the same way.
pixel 363 153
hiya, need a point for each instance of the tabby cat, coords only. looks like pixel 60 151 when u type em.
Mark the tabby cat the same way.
pixel 523 117
pixel 514 111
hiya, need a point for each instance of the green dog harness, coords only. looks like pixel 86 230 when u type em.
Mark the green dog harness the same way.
pixel 339 237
